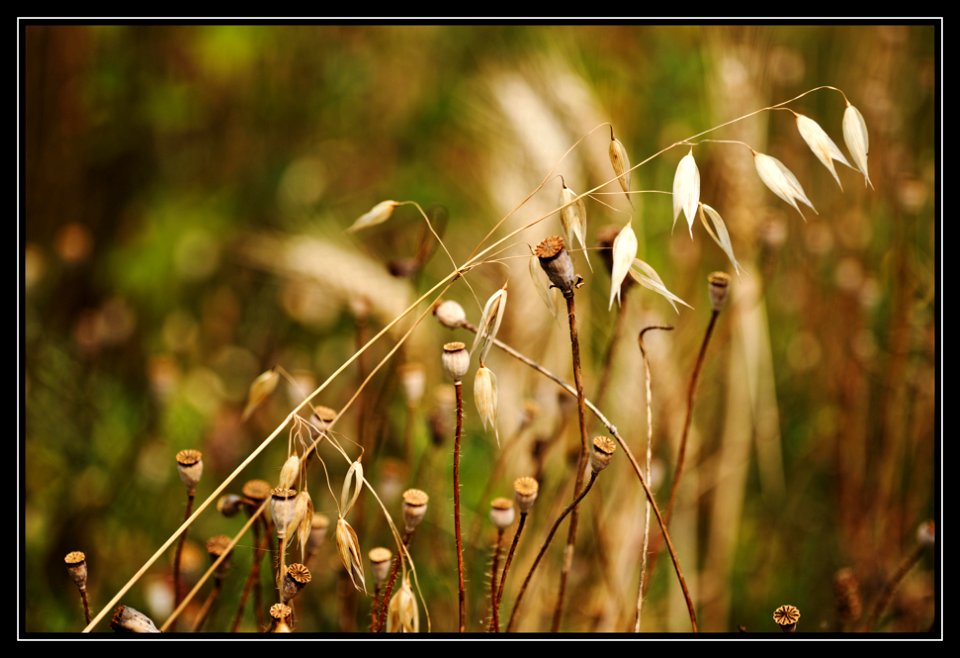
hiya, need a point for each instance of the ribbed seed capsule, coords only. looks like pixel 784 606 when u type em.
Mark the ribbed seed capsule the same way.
pixel 787 617
pixel 380 559
pixel 296 578
pixel 190 468
pixel 282 508
pixel 217 546
pixel 414 508
pixel 557 264
pixel 719 289
pixel 76 563
pixel 456 361
pixel 502 513
pixel 280 614
pixel 525 492
pixel 256 490
pixel 602 453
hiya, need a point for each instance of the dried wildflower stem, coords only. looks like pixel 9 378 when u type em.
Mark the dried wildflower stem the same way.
pixel 615 433
pixel 649 458
pixel 571 508
pixel 178 553
pixel 375 608
pixel 282 566
pixel 86 604
pixel 210 570
pixel 381 624
pixel 506 567
pixel 884 599
pixel 581 462
pixel 462 594
pixel 494 608
pixel 259 546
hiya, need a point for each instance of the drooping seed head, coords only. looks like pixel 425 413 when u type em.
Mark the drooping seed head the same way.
pixel 76 563
pixel 485 397
pixel 502 513
pixel 348 546
pixel 302 521
pixel 414 508
pixel 280 614
pixel 129 620
pixel 283 503
pixel 229 504
pixel 413 379
pixel 557 264
pixel 602 453
pixel 256 490
pixel 525 492
pixel 380 558
pixel 450 314
pixel 296 578
pixel 456 361
pixel 787 617
pixel 402 613
pixel 719 289
pixel 323 416
pixel 620 162
pixel 190 468
pixel 289 472
pixel 846 593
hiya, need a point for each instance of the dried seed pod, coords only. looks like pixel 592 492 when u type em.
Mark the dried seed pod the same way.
pixel 318 531
pixel 256 490
pixel 719 289
pixel 603 449
pixel 781 181
pixel 402 613
pixel 348 546
pixel 485 397
pixel 323 417
pixel 376 215
pixel 294 580
pixel 260 390
pixel 787 617
pixel 556 263
pixel 686 190
pixel 624 253
pixel 846 593
pixel 217 546
pixel 822 146
pixel 289 472
pixel 573 217
pixel 282 507
pixel 380 559
pixel 620 163
pixel 190 468
pixel 857 140
pixel 414 508
pixel 76 563
pixel 413 380
pixel 229 504
pixel 525 492
pixel 456 361
pixel 489 325
pixel 129 620
pixel 718 232
pixel 280 614
pixel 502 512
pixel 302 520
pixel 450 314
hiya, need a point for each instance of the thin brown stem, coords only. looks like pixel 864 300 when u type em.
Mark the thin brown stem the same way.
pixel 86 604
pixel 208 605
pixel 381 624
pixel 259 546
pixel 509 560
pixel 615 433
pixel 581 462
pixel 375 608
pixel 282 566
pixel 178 553
pixel 887 594
pixel 462 594
pixel 543 549
pixel 494 608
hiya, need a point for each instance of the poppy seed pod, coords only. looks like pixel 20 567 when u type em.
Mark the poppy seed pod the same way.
pixel 76 563
pixel 603 449
pixel 450 314
pixel 280 614
pixel 296 578
pixel 414 508
pixel 787 617
pixel 557 264
pixel 190 468
pixel 229 504
pixel 502 513
pixel 719 289
pixel 380 559
pixel 283 503
pixel 128 620
pixel 525 491
pixel 256 490
pixel 456 361
pixel 217 546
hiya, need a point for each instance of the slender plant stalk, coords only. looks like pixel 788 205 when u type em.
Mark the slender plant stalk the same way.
pixel 510 553
pixel 86 604
pixel 178 553
pixel 381 624
pixel 543 549
pixel 682 451
pixel 252 578
pixel 646 515
pixel 208 604
pixel 282 566
pixel 494 608
pixel 884 600
pixel 615 433
pixel 211 569
pixel 375 608
pixel 462 594
pixel 581 462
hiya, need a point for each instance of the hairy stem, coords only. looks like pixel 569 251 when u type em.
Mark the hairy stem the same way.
pixel 462 594
pixel 494 608
pixel 543 549
pixel 506 566
pixel 381 624
pixel 86 604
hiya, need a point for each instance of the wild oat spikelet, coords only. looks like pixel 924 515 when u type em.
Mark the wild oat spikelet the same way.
pixel 289 472
pixel 414 508
pixel 260 390
pixel 624 252
pixel 718 232
pixel 352 486
pixel 348 546
pixel 489 324
pixel 573 217
pixel 781 181
pixel 857 139
pixel 485 397
pixel 402 613
pixel 787 617
pixel 376 215
pixel 190 468
pixel 620 163
pixel 686 190
pixel 822 146
pixel 302 522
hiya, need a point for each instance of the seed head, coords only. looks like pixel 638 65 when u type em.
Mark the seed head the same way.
pixel 323 416
pixel 603 449
pixel 414 508
pixel 348 546
pixel 256 490
pixel 260 390
pixel 557 264
pixel 787 617
pixel 229 504
pixel 128 620
pixel 217 546
pixel 620 163
pixel 402 613
pixel 380 559
pixel 280 614
pixel 283 503
pixel 294 580
pixel 456 361
pixel 686 190
pixel 525 491
pixel 489 325
pixel 624 252
pixel 485 397
pixel 450 314
pixel 502 512
pixel 289 472
pixel 76 563
pixel 857 140
pixel 190 468
pixel 719 289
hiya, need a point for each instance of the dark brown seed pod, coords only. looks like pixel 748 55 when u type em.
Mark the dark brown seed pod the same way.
pixel 76 563
pixel 787 617
pixel 557 264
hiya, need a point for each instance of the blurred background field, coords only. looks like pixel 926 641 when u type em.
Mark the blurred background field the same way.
pixel 186 195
